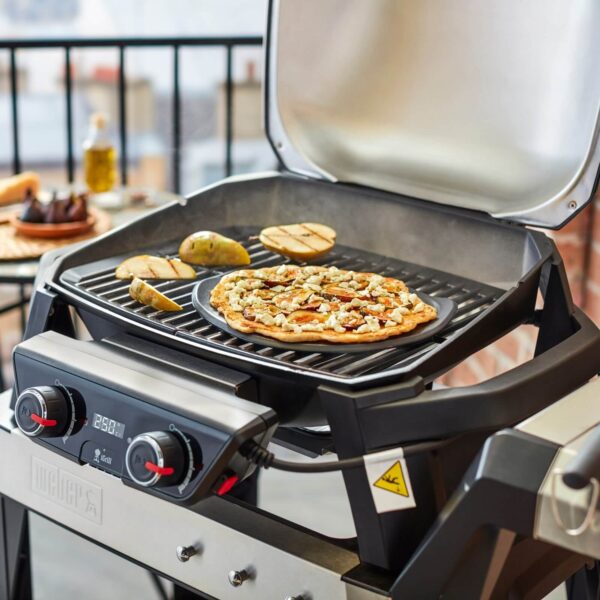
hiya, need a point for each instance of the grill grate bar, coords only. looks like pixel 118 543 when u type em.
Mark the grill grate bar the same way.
pixel 367 362
pixel 97 276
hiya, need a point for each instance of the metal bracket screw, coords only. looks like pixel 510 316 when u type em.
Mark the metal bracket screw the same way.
pixel 236 578
pixel 184 553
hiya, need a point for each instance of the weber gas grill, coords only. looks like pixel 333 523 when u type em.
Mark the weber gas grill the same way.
pixel 429 137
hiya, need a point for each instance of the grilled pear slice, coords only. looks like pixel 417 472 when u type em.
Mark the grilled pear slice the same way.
pixel 212 249
pixel 301 241
pixel 144 293
pixel 154 267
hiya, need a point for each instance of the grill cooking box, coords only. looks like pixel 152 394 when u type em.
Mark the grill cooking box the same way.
pixel 429 137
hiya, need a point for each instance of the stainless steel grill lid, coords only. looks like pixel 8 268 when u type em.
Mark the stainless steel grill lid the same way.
pixel 492 106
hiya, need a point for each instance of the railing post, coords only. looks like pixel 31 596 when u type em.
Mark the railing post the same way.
pixel 123 114
pixel 69 115
pixel 14 110
pixel 176 123
pixel 229 111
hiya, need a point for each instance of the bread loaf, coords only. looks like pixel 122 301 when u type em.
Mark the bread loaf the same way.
pixel 12 189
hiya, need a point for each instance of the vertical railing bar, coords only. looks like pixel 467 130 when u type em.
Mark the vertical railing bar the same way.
pixel 123 115
pixel 229 111
pixel 176 123
pixel 14 111
pixel 69 115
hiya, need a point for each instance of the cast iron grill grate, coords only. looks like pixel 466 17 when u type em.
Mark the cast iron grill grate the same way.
pixel 471 297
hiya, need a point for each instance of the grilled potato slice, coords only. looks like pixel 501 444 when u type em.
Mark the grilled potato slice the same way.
pixel 154 267
pixel 212 249
pixel 301 241
pixel 144 293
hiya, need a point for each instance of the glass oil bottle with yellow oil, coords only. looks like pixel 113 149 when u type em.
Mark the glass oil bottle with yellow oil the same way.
pixel 99 156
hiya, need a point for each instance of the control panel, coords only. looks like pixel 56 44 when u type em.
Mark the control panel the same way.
pixel 171 434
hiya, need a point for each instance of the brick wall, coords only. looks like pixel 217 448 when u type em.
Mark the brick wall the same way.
pixel 579 245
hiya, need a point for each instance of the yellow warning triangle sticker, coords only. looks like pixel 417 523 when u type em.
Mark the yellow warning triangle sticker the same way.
pixel 393 481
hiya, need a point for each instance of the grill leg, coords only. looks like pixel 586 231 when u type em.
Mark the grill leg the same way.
pixel 585 584
pixel 15 567
pixel 385 540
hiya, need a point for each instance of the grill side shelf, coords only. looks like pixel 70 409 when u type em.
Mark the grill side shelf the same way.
pixel 96 282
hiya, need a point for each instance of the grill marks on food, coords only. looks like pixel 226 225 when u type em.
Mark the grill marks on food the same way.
pixel 146 266
pixel 301 241
pixel 298 238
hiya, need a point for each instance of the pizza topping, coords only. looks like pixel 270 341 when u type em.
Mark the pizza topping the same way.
pixel 306 316
pixel 376 308
pixel 335 291
pixel 265 318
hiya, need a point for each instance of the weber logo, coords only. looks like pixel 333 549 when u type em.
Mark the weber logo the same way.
pixel 65 489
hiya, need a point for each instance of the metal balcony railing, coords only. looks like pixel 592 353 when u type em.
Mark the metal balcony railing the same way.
pixel 229 44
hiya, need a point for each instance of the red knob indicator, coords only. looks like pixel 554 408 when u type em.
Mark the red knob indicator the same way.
pixel 150 466
pixel 44 422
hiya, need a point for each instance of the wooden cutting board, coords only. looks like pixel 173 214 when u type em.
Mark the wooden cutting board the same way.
pixel 17 247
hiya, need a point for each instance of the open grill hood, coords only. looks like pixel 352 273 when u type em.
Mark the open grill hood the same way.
pixel 490 106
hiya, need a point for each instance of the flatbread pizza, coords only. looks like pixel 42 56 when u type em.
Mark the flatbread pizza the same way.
pixel 318 304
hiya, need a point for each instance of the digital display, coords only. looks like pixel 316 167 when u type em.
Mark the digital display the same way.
pixel 109 426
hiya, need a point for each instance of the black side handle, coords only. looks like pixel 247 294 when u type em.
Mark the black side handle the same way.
pixel 586 465
pixel 498 402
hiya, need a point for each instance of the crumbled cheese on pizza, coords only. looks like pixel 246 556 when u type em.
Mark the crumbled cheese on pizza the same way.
pixel 396 315
pixel 265 318
pixel 312 287
pixel 312 327
pixel 316 279
pixel 378 308
pixel 372 323
pixel 357 302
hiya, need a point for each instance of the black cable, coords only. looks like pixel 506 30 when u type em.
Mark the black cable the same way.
pixel 266 459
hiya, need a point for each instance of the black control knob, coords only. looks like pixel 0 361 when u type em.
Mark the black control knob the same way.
pixel 155 459
pixel 42 411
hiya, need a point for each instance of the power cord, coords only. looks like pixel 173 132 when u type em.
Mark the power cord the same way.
pixel 262 457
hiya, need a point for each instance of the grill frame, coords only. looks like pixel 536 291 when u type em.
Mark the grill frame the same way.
pixel 370 412
pixel 344 369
